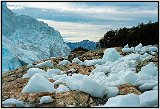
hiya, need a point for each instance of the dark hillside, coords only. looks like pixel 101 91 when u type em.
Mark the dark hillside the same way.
pixel 143 33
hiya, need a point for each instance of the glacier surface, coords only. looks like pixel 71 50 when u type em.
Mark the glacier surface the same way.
pixel 26 40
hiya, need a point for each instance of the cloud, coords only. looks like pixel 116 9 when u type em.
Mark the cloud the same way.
pixel 88 20
pixel 77 31
pixel 97 12
pixel 76 7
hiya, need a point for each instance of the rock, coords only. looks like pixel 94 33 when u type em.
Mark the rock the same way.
pixel 74 98
pixel 127 89
pixel 155 59
pixel 86 70
pixel 13 89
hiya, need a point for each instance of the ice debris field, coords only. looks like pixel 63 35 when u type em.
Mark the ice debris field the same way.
pixel 111 71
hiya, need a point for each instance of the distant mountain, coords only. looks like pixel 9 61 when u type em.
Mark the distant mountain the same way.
pixel 25 40
pixel 90 45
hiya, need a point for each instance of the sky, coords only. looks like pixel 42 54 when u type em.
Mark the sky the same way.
pixel 77 21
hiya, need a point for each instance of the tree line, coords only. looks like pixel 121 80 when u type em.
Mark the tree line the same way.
pixel 143 33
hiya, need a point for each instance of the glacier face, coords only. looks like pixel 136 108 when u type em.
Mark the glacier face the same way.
pixel 25 40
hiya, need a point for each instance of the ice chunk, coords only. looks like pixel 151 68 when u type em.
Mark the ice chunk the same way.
pixel 60 77
pixel 52 72
pixel 143 77
pixel 77 61
pixel 138 47
pixel 72 70
pixel 74 82
pixel 92 62
pixel 149 98
pixel 12 101
pixel 64 62
pixel 112 77
pixel 52 57
pixel 150 69
pixel 102 68
pixel 153 49
pixel 110 54
pixel 57 82
pixel 130 100
pixel 112 92
pixel 25 76
pixel 147 86
pixel 33 71
pixel 78 76
pixel 38 83
pixel 145 56
pixel 126 50
pixel 130 77
pixel 141 82
pixel 45 99
pixel 61 88
pixel 144 49
pixel 155 88
pixel 126 46
pixel 132 56
pixel 30 65
pixel 98 74
pixel 92 88
pixel 45 64
pixel 153 53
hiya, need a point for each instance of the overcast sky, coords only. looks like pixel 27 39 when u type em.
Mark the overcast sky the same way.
pixel 78 21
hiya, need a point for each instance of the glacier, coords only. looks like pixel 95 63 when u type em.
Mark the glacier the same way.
pixel 26 40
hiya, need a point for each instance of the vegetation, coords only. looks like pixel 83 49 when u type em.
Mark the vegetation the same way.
pixel 143 33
